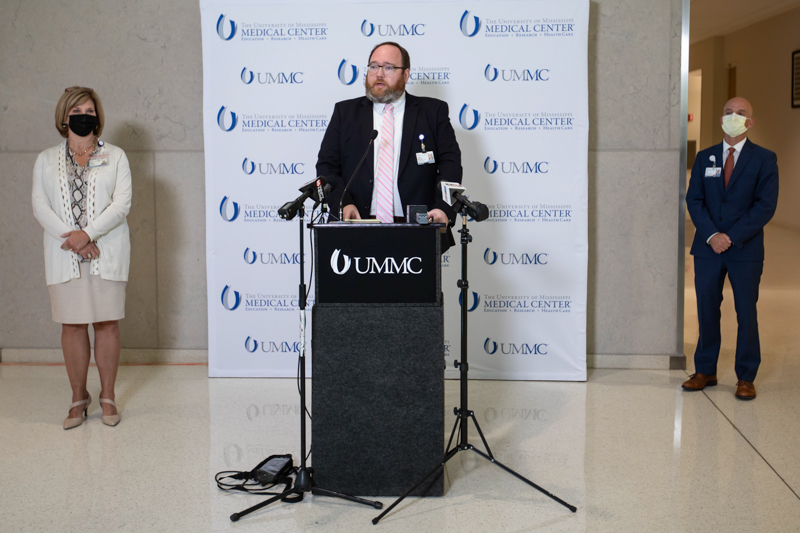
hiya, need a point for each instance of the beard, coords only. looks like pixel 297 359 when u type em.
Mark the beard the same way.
pixel 385 95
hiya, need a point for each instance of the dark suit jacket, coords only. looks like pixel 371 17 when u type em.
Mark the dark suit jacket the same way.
pixel 741 210
pixel 348 135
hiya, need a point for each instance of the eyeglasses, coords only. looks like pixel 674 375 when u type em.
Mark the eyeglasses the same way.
pixel 387 69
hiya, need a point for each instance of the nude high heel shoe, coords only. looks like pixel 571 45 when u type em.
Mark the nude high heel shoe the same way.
pixel 70 423
pixel 110 420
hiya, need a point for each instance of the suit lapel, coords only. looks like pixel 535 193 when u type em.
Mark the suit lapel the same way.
pixel 409 126
pixel 720 183
pixel 366 125
pixel 744 157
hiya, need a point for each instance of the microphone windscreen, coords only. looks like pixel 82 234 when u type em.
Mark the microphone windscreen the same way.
pixel 481 212
pixel 374 135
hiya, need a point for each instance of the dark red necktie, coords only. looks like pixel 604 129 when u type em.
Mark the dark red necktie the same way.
pixel 728 170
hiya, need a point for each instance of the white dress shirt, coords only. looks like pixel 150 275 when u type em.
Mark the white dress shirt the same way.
pixel 737 150
pixel 377 123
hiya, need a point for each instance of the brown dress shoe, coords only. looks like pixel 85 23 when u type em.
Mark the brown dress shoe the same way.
pixel 699 382
pixel 745 390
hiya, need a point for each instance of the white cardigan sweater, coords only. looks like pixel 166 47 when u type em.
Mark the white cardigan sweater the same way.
pixel 108 202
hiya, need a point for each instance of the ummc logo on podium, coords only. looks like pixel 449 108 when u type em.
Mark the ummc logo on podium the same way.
pixel 225 35
pixel 335 263
pixel 237 298
pixel 343 73
pixel 464 24
pixel 389 265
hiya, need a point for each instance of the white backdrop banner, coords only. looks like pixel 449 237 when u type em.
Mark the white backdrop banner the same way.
pixel 515 77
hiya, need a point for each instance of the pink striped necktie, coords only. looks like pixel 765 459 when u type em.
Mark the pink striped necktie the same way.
pixel 385 186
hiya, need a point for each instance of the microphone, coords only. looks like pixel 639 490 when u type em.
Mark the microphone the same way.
pixel 371 140
pixel 318 189
pixel 323 193
pixel 289 210
pixel 449 188
pixel 452 194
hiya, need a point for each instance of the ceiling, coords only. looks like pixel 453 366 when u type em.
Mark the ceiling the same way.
pixel 720 17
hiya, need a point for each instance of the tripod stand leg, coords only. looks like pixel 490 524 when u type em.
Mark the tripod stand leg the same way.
pixel 326 492
pixel 256 507
pixel 447 457
pixel 485 444
pixel 526 480
pixel 449 442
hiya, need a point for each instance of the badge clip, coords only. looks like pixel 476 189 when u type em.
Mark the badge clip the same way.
pixel 423 157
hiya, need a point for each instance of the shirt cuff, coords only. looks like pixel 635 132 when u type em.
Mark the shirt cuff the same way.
pixel 709 239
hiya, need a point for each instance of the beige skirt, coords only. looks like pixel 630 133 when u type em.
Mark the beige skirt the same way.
pixel 87 299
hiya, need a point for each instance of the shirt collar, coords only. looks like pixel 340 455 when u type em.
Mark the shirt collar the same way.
pixel 737 147
pixel 399 105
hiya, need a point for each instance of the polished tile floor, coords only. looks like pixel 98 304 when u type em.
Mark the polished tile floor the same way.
pixel 629 448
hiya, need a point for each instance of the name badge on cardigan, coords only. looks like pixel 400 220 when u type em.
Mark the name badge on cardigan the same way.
pixel 98 161
pixel 713 172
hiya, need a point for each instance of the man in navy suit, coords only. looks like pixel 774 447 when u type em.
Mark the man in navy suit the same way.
pixel 733 193
pixel 416 147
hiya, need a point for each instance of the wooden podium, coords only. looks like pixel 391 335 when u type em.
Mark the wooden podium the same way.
pixel 377 391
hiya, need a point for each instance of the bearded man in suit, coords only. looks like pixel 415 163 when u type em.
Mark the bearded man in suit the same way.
pixel 416 147
pixel 733 193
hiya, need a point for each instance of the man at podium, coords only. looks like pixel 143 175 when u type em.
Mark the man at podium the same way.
pixel 414 150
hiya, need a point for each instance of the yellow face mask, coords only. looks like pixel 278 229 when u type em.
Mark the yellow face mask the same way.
pixel 733 125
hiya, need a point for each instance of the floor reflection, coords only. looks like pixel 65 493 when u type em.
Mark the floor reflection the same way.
pixel 628 447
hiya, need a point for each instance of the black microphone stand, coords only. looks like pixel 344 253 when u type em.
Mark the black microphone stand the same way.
pixel 463 414
pixel 358 167
pixel 304 481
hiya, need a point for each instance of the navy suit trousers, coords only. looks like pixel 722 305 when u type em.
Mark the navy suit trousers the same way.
pixel 709 278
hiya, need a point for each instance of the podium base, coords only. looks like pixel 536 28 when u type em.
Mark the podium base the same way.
pixel 377 397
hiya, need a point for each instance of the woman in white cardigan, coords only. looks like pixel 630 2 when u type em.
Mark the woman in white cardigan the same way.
pixel 81 196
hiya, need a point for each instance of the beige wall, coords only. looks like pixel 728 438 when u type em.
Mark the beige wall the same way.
pixel 144 58
pixel 762 55
pixel 694 107
pixel 706 56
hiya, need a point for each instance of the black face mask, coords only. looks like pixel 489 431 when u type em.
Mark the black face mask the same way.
pixel 83 125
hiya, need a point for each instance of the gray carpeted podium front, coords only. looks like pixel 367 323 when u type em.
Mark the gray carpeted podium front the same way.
pixel 377 398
